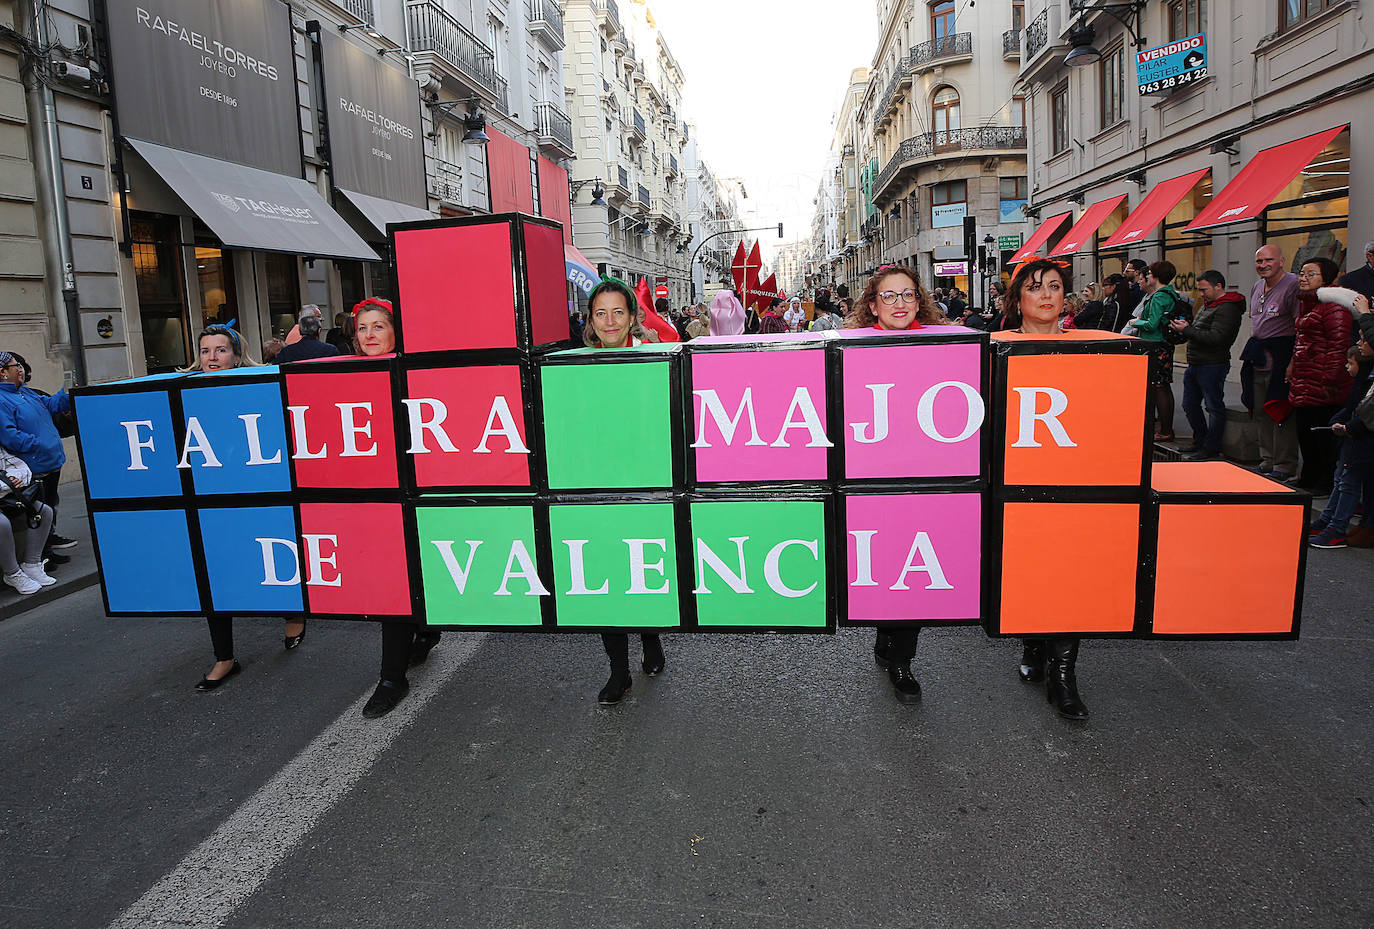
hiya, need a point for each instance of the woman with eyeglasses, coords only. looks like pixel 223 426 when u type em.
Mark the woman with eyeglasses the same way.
pixel 894 300
pixel 221 349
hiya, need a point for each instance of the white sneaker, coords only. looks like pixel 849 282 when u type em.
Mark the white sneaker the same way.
pixel 36 572
pixel 22 583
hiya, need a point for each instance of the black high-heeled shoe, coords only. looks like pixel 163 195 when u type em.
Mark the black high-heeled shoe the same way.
pixel 205 684
pixel 616 688
pixel 654 659
pixel 291 641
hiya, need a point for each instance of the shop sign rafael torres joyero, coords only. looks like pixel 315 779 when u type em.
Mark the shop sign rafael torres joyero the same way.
pixel 791 483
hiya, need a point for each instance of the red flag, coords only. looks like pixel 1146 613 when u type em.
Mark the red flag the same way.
pixel 760 295
pixel 666 331
pixel 737 267
pixel 752 268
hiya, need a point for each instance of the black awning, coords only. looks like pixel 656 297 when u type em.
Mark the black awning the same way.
pixel 379 212
pixel 255 209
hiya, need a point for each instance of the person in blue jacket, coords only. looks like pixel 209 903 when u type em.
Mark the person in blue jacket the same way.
pixel 27 431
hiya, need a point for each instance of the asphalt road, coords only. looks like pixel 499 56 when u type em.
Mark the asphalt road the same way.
pixel 761 781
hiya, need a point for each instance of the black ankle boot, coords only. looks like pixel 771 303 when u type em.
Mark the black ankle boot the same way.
pixel 616 688
pixel 904 683
pixel 880 647
pixel 1032 668
pixel 1062 686
pixel 653 655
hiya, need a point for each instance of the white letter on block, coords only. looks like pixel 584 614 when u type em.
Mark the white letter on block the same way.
pixel 419 425
pixel 318 561
pixel 710 403
pixel 770 566
pixel 351 430
pixel 739 583
pixel 925 411
pixel 298 432
pixel 196 433
pixel 519 553
pixel 879 392
pixel 578 570
pixel 269 564
pixel 136 445
pixel 1059 402
pixel 638 583
pixel 930 563
pixel 459 574
pixel 810 421
pixel 863 557
pixel 500 409
pixel 250 429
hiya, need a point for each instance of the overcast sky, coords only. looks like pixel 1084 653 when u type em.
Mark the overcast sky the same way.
pixel 764 79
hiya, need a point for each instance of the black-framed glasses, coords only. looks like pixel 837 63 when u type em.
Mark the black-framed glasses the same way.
pixel 889 297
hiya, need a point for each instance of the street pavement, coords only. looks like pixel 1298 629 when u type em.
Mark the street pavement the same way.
pixel 761 781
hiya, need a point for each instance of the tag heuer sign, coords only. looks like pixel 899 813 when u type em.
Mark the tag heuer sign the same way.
pixel 1178 64
pixel 1010 243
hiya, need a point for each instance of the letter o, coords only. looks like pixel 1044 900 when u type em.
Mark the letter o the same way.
pixel 925 411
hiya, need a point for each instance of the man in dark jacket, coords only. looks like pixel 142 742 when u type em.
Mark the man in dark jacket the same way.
pixel 309 346
pixel 1210 336
pixel 1361 279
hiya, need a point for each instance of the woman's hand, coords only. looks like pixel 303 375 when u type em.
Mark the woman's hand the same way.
pixel 1361 304
pixel 14 480
pixel 1339 429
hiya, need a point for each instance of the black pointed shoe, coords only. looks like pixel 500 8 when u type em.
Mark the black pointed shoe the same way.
pixel 904 683
pixel 615 690
pixel 385 698
pixel 1061 687
pixel 654 660
pixel 291 641
pixel 205 684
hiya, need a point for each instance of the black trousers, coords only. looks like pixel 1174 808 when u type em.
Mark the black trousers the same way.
pixel 222 636
pixel 49 481
pixel 901 644
pixel 396 641
pixel 1318 447
pixel 617 645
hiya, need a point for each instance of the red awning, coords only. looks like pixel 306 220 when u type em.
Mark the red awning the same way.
pixel 1260 181
pixel 1151 212
pixel 1087 224
pixel 1039 237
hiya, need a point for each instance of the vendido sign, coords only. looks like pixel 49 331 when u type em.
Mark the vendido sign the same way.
pixel 224 84
pixel 373 112
pixel 1178 64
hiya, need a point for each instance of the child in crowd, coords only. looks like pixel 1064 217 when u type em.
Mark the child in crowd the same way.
pixel 1354 423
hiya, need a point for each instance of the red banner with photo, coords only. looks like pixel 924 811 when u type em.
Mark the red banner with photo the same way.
pixel 508 169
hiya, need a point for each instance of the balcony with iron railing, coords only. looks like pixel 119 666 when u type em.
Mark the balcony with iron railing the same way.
pixel 1011 43
pixel 446 183
pixel 546 22
pixel 642 194
pixel 619 185
pixel 436 37
pixel 607 14
pixel 919 148
pixel 1044 45
pixel 555 128
pixel 1037 33
pixel 672 166
pixel 636 122
pixel 941 51
pixel 361 10
pixel 900 78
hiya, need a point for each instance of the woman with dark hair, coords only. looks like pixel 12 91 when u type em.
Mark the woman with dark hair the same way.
pixel 221 349
pixel 894 300
pixel 614 322
pixel 1318 382
pixel 1033 304
pixel 404 645
pixel 771 322
pixel 1161 301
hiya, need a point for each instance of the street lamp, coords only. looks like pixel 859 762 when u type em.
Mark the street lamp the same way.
pixel 1082 36
pixel 474 123
pixel 598 192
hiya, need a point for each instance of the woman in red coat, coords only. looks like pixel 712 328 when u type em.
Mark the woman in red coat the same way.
pixel 1318 382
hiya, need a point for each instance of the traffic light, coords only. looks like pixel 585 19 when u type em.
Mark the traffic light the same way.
pixel 780 230
pixel 970 235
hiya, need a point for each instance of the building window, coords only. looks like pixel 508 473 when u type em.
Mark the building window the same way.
pixel 1186 17
pixel 948 204
pixel 944 114
pixel 941 19
pixel 1059 119
pixel 496 38
pixel 1018 15
pixel 1111 77
pixel 1012 194
pixel 1292 12
pixel 1018 110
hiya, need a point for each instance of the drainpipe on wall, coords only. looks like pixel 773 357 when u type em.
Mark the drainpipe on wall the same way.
pixel 52 199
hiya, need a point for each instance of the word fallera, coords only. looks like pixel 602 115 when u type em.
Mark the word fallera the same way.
pixel 427 417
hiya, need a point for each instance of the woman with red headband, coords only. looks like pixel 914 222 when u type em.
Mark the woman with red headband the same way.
pixel 1033 304
pixel 404 645
pixel 894 300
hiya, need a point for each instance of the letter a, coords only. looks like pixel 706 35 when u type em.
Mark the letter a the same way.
pixel 500 409
pixel 1059 402
pixel 518 553
pixel 196 433
pixel 930 563
pixel 810 421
